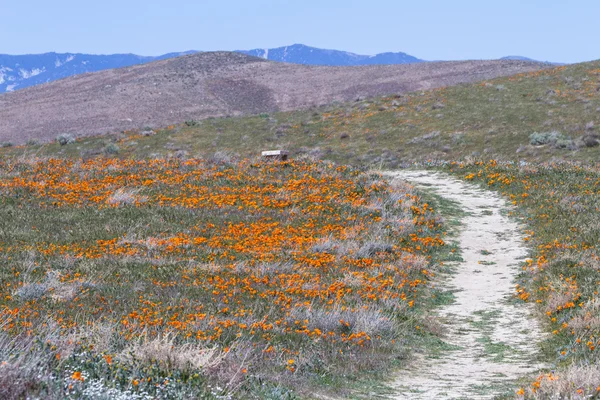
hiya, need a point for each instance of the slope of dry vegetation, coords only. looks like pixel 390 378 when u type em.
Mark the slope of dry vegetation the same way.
pixel 542 115
pixel 213 85
pixel 173 279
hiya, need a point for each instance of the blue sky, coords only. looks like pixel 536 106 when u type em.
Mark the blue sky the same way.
pixel 554 30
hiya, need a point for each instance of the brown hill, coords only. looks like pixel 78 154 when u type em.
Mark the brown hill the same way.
pixel 214 84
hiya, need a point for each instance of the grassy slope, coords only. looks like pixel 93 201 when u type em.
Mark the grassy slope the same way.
pixel 493 119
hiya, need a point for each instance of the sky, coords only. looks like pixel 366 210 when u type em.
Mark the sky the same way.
pixel 545 30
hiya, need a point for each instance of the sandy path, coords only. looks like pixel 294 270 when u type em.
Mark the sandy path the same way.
pixel 492 340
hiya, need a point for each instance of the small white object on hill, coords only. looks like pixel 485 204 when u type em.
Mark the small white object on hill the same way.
pixel 277 154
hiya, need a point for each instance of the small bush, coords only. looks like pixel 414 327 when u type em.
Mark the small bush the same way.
pixel 221 157
pixel 6 144
pixel 191 122
pixel 328 246
pixel 32 142
pixel 591 140
pixel 112 149
pixel 33 291
pixel 170 355
pixel 554 138
pixel 424 138
pixel 538 139
pixel 65 138
pixel 123 196
pixel 369 249
pixel 563 143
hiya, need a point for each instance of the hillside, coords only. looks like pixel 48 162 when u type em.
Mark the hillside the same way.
pixel 22 71
pixel 211 85
pixel 495 118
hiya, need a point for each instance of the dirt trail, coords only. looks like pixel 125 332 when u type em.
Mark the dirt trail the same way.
pixel 491 340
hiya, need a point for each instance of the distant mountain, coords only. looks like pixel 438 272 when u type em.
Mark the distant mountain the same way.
pixel 518 58
pixel 18 72
pixel 301 54
pixel 521 58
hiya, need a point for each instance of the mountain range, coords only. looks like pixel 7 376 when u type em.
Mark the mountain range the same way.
pixel 301 54
pixel 21 71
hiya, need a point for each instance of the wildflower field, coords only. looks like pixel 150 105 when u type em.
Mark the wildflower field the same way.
pixel 195 279
pixel 560 204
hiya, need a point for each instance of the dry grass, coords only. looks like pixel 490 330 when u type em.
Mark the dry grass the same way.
pixel 169 354
pixel 125 196
pixel 577 382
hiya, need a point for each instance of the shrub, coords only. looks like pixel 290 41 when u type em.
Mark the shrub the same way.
pixel 6 144
pixel 591 140
pixel 123 196
pixel 426 137
pixel 221 157
pixel 33 291
pixel 170 355
pixel 111 148
pixel 538 139
pixel 554 138
pixel 33 142
pixel 371 248
pixel 563 143
pixel 191 122
pixel 65 138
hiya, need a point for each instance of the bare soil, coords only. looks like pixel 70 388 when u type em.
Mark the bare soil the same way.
pixel 491 339
pixel 211 85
